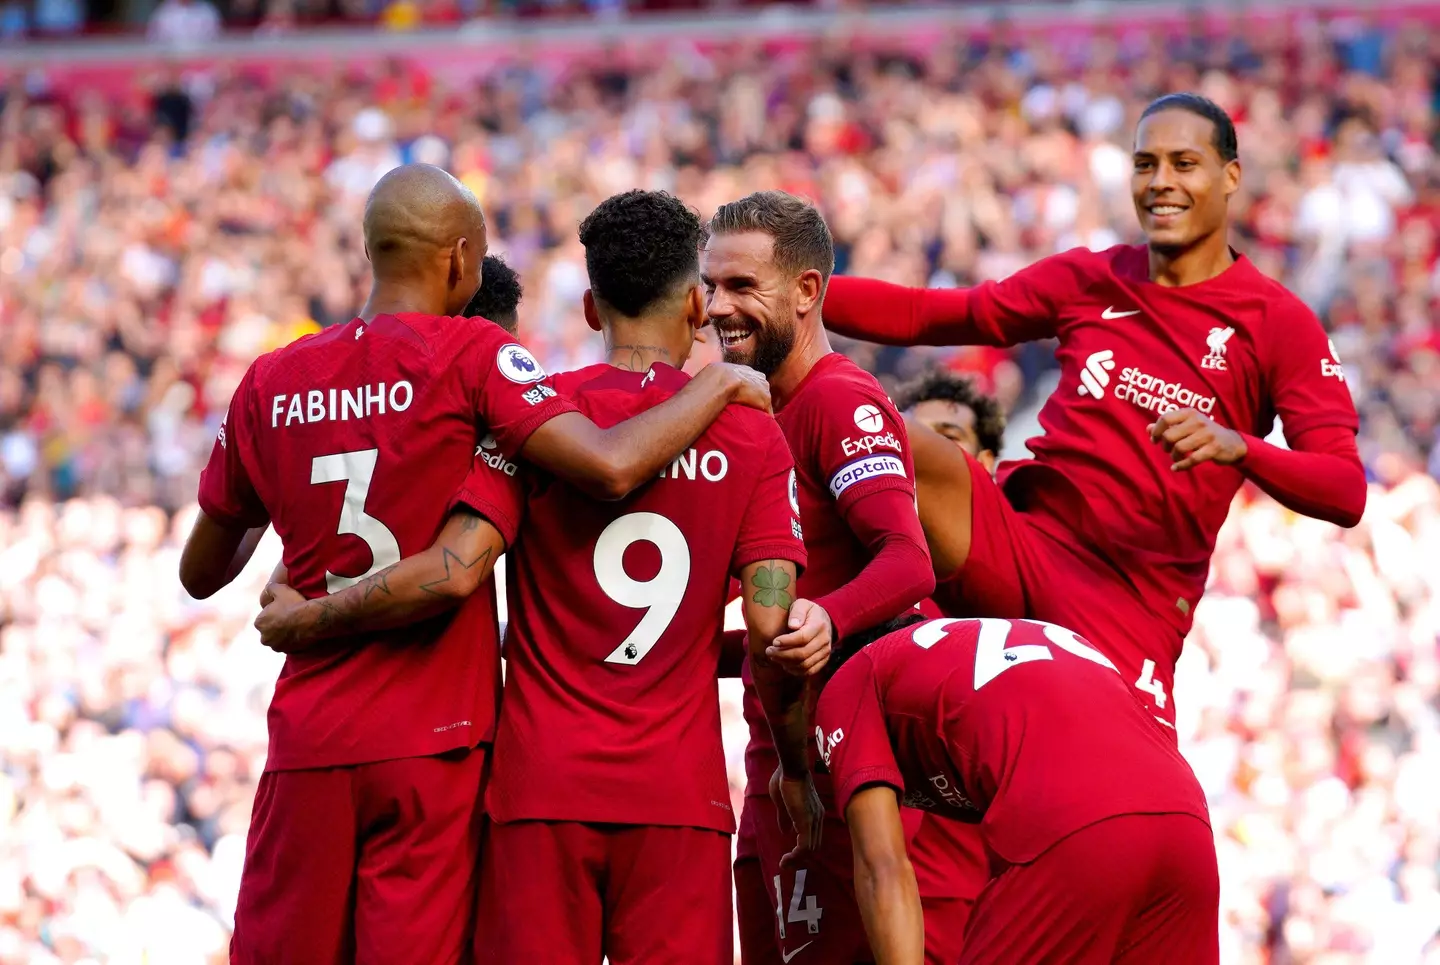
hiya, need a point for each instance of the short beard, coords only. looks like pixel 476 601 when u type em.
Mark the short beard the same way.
pixel 773 345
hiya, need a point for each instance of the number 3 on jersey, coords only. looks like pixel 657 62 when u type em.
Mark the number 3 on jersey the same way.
pixel 357 470
pixel 660 596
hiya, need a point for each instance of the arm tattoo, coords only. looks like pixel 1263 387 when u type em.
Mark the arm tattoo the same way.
pixel 772 587
pixel 437 587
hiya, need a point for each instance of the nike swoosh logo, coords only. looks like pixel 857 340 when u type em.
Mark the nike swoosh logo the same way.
pixel 786 958
pixel 1112 313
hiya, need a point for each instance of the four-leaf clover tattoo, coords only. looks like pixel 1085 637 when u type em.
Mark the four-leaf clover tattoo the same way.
pixel 772 587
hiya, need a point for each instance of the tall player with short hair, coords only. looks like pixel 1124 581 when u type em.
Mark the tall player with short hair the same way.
pixel 353 443
pixel 1097 830
pixel 1176 357
pixel 765 267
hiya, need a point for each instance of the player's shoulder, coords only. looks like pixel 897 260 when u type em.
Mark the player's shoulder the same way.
pixel 577 381
pixel 1079 267
pixel 1277 303
pixel 838 385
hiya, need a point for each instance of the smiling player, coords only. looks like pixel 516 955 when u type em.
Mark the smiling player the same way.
pixel 1176 357
pixel 765 266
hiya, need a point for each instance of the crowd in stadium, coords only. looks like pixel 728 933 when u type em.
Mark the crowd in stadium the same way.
pixel 154 240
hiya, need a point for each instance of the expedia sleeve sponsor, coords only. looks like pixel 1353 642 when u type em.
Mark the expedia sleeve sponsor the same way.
pixel 860 470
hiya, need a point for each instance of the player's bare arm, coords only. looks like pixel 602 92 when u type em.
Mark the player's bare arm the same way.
pixel 942 492
pixel 418 587
pixel 214 555
pixel 610 463
pixel 769 595
pixel 885 887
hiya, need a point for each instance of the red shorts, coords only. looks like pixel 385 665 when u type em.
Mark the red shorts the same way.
pixel 1135 889
pixel 1028 565
pixel 951 869
pixel 813 917
pixel 563 892
pixel 371 863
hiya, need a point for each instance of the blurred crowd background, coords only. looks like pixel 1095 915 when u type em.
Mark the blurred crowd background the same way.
pixel 157 234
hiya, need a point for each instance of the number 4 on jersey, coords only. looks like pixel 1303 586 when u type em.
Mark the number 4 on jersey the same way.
pixel 1148 684
pixel 809 914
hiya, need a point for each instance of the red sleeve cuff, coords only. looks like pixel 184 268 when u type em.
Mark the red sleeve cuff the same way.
pixel 507 525
pixel 239 520
pixel 517 435
pixel 746 555
pixel 864 777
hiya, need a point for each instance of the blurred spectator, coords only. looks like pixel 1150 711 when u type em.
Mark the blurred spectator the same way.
pixel 185 23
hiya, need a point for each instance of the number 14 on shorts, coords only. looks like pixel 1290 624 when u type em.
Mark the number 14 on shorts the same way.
pixel 809 912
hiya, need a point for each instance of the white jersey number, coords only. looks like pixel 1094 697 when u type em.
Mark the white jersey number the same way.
pixel 809 914
pixel 659 596
pixel 1146 683
pixel 357 469
pixel 992 657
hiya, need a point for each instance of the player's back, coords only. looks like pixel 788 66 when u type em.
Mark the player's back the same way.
pixel 355 441
pixel 611 710
pixel 1022 722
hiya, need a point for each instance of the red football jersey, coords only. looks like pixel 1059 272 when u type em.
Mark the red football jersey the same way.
pixel 848 442
pixel 611 709
pixel 1018 725
pixel 1239 348
pixel 354 442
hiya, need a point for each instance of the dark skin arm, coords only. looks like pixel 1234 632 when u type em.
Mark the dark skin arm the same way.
pixel 885 887
pixel 418 587
pixel 943 489
pixel 214 555
pixel 610 463
pixel 769 593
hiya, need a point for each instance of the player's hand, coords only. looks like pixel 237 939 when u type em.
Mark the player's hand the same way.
pixel 1191 437
pixel 278 575
pixel 798 798
pixel 806 648
pixel 745 385
pixel 279 622
pixel 802 659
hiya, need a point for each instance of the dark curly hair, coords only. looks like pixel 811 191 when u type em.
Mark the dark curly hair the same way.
pixel 949 387
pixel 1226 144
pixel 499 296
pixel 852 643
pixel 639 247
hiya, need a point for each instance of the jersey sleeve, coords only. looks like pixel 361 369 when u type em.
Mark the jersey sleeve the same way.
pixel 861 445
pixel 1306 380
pixel 495 491
pixel 1020 308
pixel 227 494
pixel 850 734
pixel 770 523
pixel 511 394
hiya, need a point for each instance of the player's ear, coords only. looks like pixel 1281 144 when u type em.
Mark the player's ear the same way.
pixel 1232 177
pixel 695 313
pixel 592 316
pixel 809 288
pixel 456 274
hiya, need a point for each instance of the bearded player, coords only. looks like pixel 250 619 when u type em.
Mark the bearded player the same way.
pixel 352 442
pixel 1097 830
pixel 1176 357
pixel 765 267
